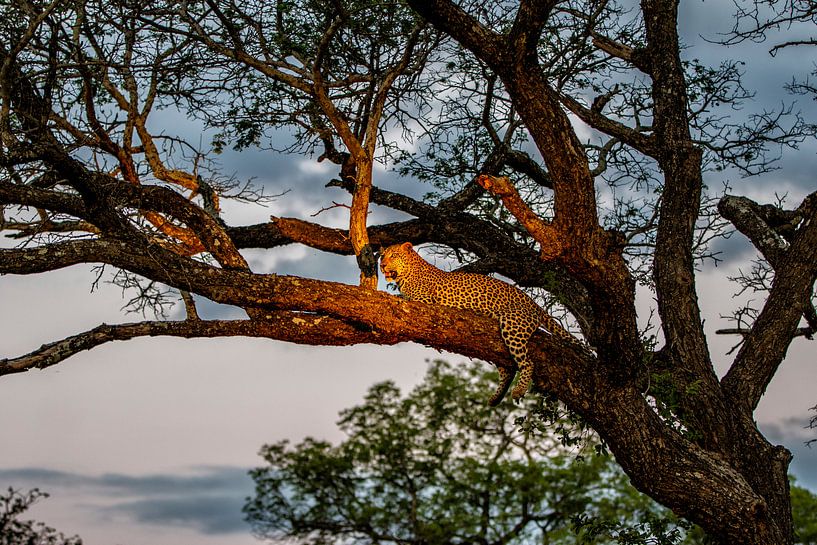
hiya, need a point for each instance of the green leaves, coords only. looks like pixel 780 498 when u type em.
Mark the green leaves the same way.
pixel 439 466
pixel 14 531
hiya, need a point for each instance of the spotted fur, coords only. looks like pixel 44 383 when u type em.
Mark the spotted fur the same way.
pixel 519 316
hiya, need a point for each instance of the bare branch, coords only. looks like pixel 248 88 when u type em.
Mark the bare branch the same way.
pixel 632 137
pixel 637 57
pixel 286 326
pixel 543 232
pixel 806 332
pixel 765 346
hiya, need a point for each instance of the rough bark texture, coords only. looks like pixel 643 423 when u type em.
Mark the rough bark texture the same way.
pixel 708 462
pixel 723 475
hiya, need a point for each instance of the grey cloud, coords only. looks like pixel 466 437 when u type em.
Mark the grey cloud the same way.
pixel 804 464
pixel 735 248
pixel 208 500
pixel 38 477
pixel 798 171
pixel 215 514
pixel 205 480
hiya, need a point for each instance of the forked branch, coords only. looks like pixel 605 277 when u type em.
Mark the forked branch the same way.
pixel 766 344
pixel 286 326
pixel 550 241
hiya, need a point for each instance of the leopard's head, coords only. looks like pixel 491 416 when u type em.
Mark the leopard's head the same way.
pixel 394 261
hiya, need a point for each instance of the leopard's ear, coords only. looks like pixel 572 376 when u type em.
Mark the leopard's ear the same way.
pixel 406 245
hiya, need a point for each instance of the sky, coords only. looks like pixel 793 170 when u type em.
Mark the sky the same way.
pixel 147 442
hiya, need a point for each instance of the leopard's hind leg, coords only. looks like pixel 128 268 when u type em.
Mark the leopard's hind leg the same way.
pixel 516 330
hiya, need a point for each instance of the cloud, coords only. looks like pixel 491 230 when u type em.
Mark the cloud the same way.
pixel 734 249
pixel 205 499
pixel 214 514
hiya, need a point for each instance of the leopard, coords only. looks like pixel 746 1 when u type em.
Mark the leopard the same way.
pixel 519 316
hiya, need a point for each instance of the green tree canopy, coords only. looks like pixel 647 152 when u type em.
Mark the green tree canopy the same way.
pixel 438 466
pixel 16 531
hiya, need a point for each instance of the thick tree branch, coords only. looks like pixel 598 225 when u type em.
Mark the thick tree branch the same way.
pixel 528 24
pixel 28 195
pixel 51 257
pixel 395 201
pixel 765 346
pixel 454 21
pixel 745 215
pixel 375 316
pixel 637 57
pixel 639 141
pixel 771 230
pixel 806 332
pixel 674 269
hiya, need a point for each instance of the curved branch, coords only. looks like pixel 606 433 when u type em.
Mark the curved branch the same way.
pixel 286 326
pixel 543 232
pixel 637 57
pixel 51 257
pixel 745 215
pixel 28 195
pixel 540 109
pixel 374 311
pixel 453 20
pixel 396 201
pixel 674 266
pixel 595 119
pixel 770 230
pixel 528 24
pixel 806 332
pixel 319 91
pixel 765 346
pixel 206 228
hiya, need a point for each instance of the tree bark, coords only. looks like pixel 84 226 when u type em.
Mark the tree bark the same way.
pixel 706 460
pixel 710 472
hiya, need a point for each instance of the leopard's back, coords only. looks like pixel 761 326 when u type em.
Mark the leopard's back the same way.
pixel 518 315
pixel 485 295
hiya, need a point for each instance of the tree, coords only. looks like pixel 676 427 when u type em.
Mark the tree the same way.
pixel 439 466
pixel 804 507
pixel 333 67
pixel 85 180
pixel 14 531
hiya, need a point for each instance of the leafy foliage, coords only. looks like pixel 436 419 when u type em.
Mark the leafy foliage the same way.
pixel 14 531
pixel 438 466
pixel 804 512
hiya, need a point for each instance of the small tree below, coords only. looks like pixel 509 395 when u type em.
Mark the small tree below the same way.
pixel 439 466
pixel 14 531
